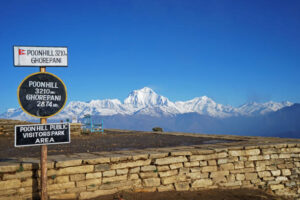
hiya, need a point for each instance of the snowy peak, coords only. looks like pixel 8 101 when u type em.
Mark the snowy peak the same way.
pixel 145 97
pixel 255 108
pixel 204 105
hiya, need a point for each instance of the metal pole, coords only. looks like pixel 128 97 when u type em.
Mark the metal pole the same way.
pixel 43 162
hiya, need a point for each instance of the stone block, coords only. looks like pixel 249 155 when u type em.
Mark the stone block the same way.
pixel 219 174
pixel 231 184
pixel 271 167
pixel 64 196
pixel 170 160
pixel 227 166
pixel 212 162
pixel 93 175
pixel 209 169
pixel 148 174
pixel 140 156
pixel 119 184
pixel 274 156
pixel 251 176
pixel 197 175
pixel 249 164
pixel 165 188
pixel 240 177
pixel 122 171
pixel 222 161
pixel 73 170
pixel 77 177
pixel 9 167
pixel 260 168
pixel 176 165
pixel 114 178
pixel 109 173
pixel 9 184
pixel 135 170
pixel 281 179
pixel 154 155
pixel 236 152
pixel 256 181
pixel 290 150
pixel 88 182
pixel 184 170
pixel 163 168
pixel 60 186
pixel 277 187
pixel 182 186
pixel 252 152
pixel 96 160
pixel 201 163
pixel 202 151
pixel 239 165
pixel 208 157
pixel 145 189
pixel 240 171
pixel 133 176
pixel 168 173
pixel 97 193
pixel 202 183
pixel 264 174
pixel 151 182
pixel 195 169
pixel 61 179
pixel 220 179
pixel 268 178
pixel 102 167
pixel 286 172
pixel 115 157
pixel 137 163
pixel 18 175
pixel 7 192
pixel 67 163
pixel 270 151
pixel 181 153
pixel 259 157
pixel 148 168
pixel 173 179
pixel 284 155
pixel 76 190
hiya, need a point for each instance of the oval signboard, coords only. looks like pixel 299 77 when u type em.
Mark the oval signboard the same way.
pixel 42 94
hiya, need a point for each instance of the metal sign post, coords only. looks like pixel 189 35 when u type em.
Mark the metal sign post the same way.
pixel 41 95
pixel 43 162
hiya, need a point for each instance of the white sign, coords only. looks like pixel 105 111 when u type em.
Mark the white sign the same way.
pixel 40 56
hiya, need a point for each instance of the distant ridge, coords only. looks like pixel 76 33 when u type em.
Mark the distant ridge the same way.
pixel 147 102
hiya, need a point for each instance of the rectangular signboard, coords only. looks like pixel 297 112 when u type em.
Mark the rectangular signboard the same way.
pixel 28 56
pixel 42 134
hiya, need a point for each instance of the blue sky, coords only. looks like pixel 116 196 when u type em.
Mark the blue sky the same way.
pixel 232 51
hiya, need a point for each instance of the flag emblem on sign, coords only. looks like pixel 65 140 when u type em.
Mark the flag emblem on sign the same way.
pixel 21 52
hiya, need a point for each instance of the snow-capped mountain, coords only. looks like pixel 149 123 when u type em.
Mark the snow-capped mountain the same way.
pixel 146 102
pixel 146 97
pixel 205 106
pixel 262 108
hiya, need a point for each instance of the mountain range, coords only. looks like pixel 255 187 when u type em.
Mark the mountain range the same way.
pixel 144 109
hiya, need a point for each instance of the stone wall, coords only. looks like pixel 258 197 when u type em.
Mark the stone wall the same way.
pixel 272 165
pixel 7 127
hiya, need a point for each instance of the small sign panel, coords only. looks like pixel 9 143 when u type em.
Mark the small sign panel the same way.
pixel 42 94
pixel 40 56
pixel 42 134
